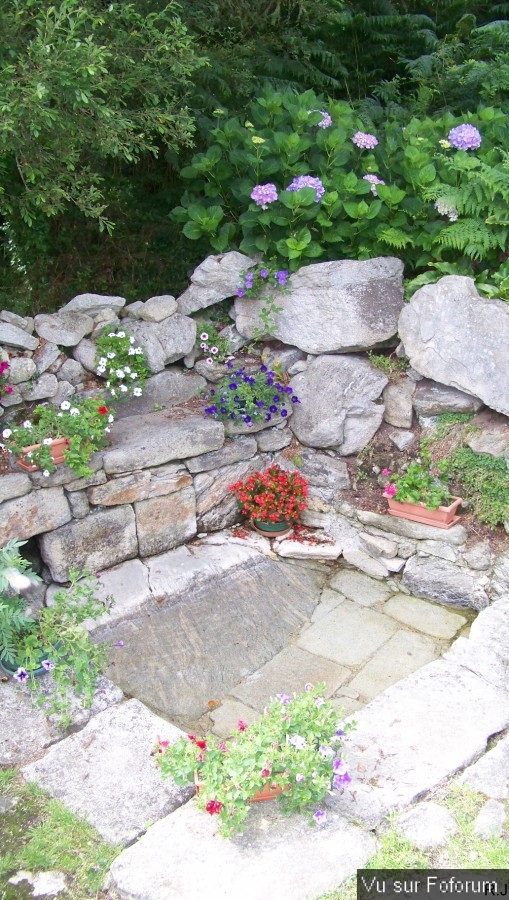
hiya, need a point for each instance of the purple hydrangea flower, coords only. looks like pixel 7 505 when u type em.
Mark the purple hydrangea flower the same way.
pixel 263 194
pixel 320 817
pixel 302 181
pixel 325 121
pixel 373 180
pixel 364 141
pixel 465 137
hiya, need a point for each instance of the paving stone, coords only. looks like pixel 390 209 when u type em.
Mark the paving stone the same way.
pixel 402 654
pixel 227 716
pixel 441 580
pixel 345 705
pixel 359 587
pixel 490 774
pixel 111 757
pixel 278 856
pixel 336 636
pixel 286 673
pixel 427 617
pixel 365 562
pixel 414 734
pixel 394 565
pixel 308 550
pixel 378 546
pixel 328 601
pixel 426 825
pixel 490 819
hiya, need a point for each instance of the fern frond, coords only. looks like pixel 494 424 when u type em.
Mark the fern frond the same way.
pixel 471 237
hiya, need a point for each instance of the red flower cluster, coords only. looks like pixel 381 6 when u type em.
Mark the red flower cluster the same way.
pixel 213 807
pixel 273 495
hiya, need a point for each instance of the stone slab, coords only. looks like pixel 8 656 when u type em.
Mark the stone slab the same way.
pixel 414 735
pixel 359 587
pixel 403 653
pixel 287 673
pixel 183 857
pixel 456 535
pixel 303 549
pixel 426 825
pixel 329 599
pixel 165 522
pixel 226 717
pixel 349 635
pixel 490 774
pixel 110 778
pixel 33 513
pixel 441 580
pixel 15 485
pixel 363 561
pixel 209 626
pixel 430 618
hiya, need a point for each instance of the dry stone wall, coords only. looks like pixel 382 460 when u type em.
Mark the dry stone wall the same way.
pixel 164 478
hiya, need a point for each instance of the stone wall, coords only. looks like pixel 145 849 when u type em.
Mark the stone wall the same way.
pixel 164 478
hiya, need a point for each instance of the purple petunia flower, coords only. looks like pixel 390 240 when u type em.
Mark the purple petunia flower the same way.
pixel 263 194
pixel 21 675
pixel 284 413
pixel 340 781
pixel 281 277
pixel 320 817
pixel 263 368
pixel 364 141
pixel 233 386
pixel 303 181
pixel 47 665
pixel 297 741
pixel 465 137
pixel 263 273
pixel 283 698
pixel 272 408
pixel 299 777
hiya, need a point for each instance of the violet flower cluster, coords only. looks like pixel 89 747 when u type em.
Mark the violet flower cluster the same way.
pixel 465 137
pixel 249 398
pixel 325 121
pixel 263 194
pixel 364 141
pixel 302 181
pixel 373 180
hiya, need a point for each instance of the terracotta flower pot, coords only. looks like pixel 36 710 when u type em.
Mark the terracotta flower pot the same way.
pixel 268 792
pixel 443 517
pixel 271 529
pixel 56 447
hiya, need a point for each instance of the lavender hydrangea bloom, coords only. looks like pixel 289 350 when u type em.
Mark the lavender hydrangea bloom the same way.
pixel 263 194
pixel 325 121
pixel 302 181
pixel 364 141
pixel 373 180
pixel 465 137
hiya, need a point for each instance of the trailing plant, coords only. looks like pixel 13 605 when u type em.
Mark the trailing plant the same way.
pixel 5 387
pixel 486 482
pixel 13 578
pixel 261 282
pixel 84 423
pixel 243 397
pixel 123 364
pixel 296 745
pixel 211 344
pixel 272 496
pixel 56 641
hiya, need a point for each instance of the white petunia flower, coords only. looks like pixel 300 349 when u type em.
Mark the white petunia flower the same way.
pixel 111 418
pixel 134 374
pixel 111 355
pixel 127 369
pixel 123 388
pixel 65 404
pixel 47 441
pixel 131 340
pixel 137 392
pixel 45 473
pixel 6 433
pixel 120 373
pixel 121 334
pixel 74 411
pixel 27 424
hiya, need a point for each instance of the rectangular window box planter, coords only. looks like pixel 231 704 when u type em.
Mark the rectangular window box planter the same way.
pixel 443 517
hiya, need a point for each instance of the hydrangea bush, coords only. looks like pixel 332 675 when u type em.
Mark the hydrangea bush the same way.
pixel 247 398
pixel 300 183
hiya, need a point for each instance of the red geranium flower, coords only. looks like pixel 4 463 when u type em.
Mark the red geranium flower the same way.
pixel 103 410
pixel 213 807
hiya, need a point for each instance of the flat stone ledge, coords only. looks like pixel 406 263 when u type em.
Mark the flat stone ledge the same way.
pixel 277 856
pixel 110 778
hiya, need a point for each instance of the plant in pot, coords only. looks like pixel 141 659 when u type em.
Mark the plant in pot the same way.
pixel 272 499
pixel 244 398
pixel 293 751
pixel 421 493
pixel 80 426
pixel 52 639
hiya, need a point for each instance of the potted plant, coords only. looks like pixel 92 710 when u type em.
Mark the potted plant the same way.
pixel 272 499
pixel 243 398
pixel 294 749
pixel 421 493
pixel 69 433
pixel 53 639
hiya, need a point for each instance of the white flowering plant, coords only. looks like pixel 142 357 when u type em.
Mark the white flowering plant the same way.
pixel 84 423
pixel 296 746
pixel 122 364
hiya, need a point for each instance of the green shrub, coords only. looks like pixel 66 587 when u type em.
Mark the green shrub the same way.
pixel 486 483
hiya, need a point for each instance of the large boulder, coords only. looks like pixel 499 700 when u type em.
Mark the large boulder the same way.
pixel 456 337
pixel 338 306
pixel 337 406
pixel 215 279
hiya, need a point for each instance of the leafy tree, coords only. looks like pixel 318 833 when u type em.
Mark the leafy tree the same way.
pixel 84 87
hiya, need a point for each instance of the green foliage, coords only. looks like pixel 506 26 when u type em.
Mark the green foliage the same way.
pixel 486 482
pixel 433 205
pixel 445 422
pixel 123 364
pixel 285 747
pixel 39 834
pixel 13 618
pixel 389 364
pixel 423 481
